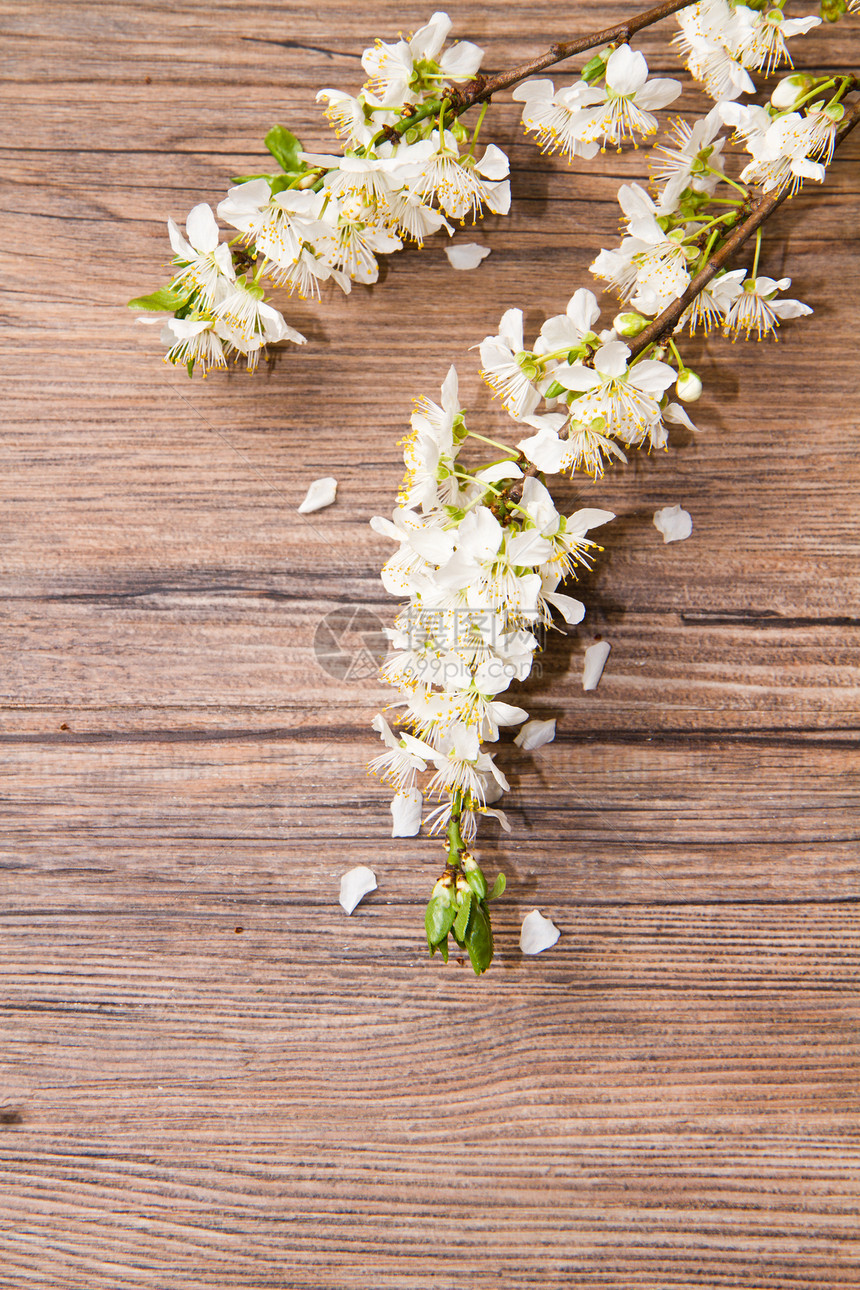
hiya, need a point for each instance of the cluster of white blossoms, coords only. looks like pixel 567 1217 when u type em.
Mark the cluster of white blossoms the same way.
pixel 480 555
pixel 406 171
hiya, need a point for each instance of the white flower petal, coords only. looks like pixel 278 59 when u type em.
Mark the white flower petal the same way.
pixel 355 885
pixel 322 492
pixel 595 661
pixel 202 229
pixel 674 523
pixel 406 810
pixel 537 933
pixel 466 255
pixel 535 734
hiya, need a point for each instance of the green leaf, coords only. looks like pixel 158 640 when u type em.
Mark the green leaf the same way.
pixel 498 887
pixel 164 298
pixel 438 920
pixel 462 920
pixel 479 942
pixel 476 880
pixel 284 147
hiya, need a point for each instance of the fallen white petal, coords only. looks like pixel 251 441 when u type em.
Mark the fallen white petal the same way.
pixel 674 523
pixel 322 492
pixel 537 933
pixel 356 884
pixel 466 255
pixel 595 661
pixel 406 810
pixel 534 734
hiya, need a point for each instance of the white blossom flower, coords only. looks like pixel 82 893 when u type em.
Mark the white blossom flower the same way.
pixel 462 185
pixel 781 155
pixel 247 323
pixel 762 44
pixel 625 397
pixel 193 343
pixel 206 263
pixel 629 98
pixel 503 372
pixel 757 309
pixel 711 306
pixel 681 164
pixel 558 118
pixel 673 522
pixel 394 69
pixel 429 450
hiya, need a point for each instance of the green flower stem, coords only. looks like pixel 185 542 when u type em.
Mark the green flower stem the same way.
pixel 473 434
pixel 757 252
pixel 734 184
pixel 456 845
pixel 719 219
pixel 674 350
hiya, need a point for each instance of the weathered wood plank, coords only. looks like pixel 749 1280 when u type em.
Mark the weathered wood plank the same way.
pixel 214 1080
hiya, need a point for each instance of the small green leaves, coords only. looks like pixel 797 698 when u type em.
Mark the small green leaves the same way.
pixel 438 920
pixel 474 876
pixel 595 68
pixel 164 298
pixel 498 887
pixel 285 148
pixel 479 939
pixel 461 922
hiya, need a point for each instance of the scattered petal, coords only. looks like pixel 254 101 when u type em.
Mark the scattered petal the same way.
pixel 354 885
pixel 466 255
pixel 535 734
pixel 322 492
pixel 674 523
pixel 595 661
pixel 537 933
pixel 406 810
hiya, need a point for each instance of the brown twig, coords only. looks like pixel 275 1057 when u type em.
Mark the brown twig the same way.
pixel 484 87
pixel 665 323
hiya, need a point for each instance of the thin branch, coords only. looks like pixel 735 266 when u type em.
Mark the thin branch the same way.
pixel 483 87
pixel 665 323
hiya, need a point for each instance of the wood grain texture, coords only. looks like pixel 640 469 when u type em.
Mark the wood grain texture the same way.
pixel 213 1080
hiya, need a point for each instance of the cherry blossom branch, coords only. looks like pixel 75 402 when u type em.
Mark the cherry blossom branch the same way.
pixel 665 323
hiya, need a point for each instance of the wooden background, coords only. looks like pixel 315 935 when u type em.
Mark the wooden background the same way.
pixel 214 1080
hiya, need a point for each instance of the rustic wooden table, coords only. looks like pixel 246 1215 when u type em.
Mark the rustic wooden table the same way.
pixel 214 1080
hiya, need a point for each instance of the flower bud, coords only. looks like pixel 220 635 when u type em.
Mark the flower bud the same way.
pixel 688 386
pixel 789 90
pixel 629 324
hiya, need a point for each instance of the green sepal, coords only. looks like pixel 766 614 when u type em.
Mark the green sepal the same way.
pixel 164 298
pixel 438 920
pixel 461 922
pixel 593 69
pixel 555 390
pixel 284 147
pixel 280 182
pixel 246 179
pixel 479 941
pixel 477 881
pixel 498 887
